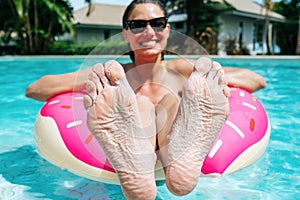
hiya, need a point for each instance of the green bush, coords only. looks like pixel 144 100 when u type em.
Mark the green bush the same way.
pixel 102 48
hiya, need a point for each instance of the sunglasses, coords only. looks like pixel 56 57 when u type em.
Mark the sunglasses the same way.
pixel 138 26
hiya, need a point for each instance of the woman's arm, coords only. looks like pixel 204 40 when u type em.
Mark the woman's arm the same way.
pixel 244 78
pixel 237 77
pixel 51 85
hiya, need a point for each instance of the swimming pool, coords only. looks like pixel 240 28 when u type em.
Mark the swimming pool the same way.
pixel 25 175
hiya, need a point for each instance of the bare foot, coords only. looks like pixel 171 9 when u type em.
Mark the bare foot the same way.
pixel 113 118
pixel 202 112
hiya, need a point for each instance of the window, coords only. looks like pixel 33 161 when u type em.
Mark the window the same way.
pixel 179 25
pixel 258 30
pixel 241 31
pixel 106 34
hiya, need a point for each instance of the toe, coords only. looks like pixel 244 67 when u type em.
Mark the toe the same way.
pixel 220 73
pixel 114 72
pixel 203 65
pixel 226 91
pixel 98 70
pixel 91 94
pixel 215 72
pixel 94 79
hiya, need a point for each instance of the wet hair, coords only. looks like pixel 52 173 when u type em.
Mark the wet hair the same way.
pixel 129 10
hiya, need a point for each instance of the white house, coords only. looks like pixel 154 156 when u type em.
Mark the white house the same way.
pixel 246 23
pixel 103 22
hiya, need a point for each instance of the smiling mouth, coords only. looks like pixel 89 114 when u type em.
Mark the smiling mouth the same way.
pixel 149 44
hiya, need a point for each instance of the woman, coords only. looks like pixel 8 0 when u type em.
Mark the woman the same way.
pixel 176 106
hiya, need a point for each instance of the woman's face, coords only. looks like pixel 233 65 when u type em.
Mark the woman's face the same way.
pixel 148 42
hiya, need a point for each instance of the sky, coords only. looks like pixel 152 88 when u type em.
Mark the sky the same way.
pixel 80 3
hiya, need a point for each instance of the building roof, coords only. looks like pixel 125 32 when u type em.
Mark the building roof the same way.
pixel 111 15
pixel 100 14
pixel 248 8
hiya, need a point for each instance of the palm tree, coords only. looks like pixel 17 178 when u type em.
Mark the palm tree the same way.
pixel 37 29
pixel 23 26
pixel 56 21
pixel 90 6
pixel 268 5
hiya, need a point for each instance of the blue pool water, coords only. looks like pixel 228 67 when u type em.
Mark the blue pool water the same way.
pixel 25 175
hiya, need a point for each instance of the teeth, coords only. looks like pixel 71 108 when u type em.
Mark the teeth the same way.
pixel 148 44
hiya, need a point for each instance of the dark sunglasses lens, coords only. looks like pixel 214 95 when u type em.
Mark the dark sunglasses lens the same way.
pixel 159 23
pixel 137 26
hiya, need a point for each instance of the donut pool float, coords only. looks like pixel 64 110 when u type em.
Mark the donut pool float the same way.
pixel 62 137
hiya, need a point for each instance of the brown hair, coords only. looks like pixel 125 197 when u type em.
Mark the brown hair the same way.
pixel 129 10
pixel 133 4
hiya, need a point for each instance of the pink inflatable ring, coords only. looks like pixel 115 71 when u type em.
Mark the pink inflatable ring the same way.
pixel 62 138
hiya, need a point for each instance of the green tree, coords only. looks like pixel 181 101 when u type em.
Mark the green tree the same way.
pixel 298 38
pixel 203 23
pixel 202 20
pixel 56 20
pixel 175 6
pixel 19 21
pixel 8 21
pixel 288 31
pixel 36 29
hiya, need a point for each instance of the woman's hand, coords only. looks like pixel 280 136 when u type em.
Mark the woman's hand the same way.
pixel 244 78
pixel 51 85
